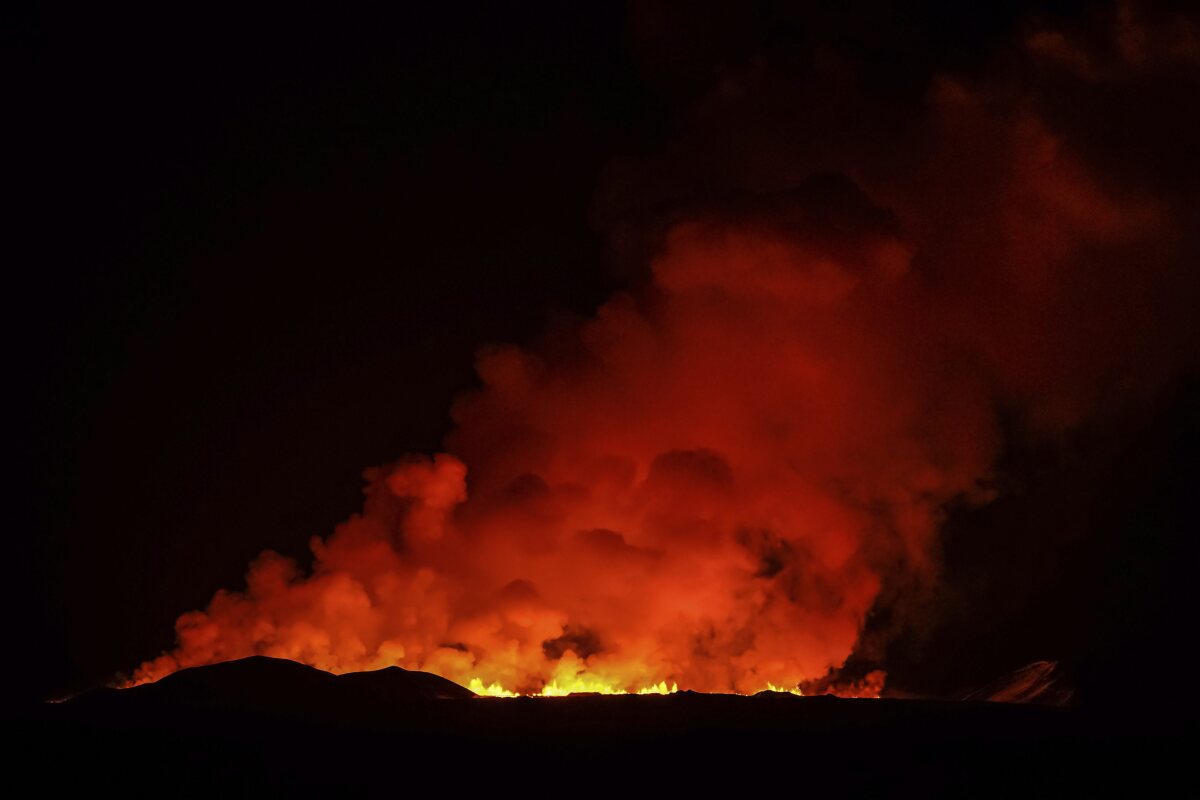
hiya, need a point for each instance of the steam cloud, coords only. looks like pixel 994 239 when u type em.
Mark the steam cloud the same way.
pixel 717 479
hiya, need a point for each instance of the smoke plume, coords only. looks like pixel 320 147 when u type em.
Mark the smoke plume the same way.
pixel 718 478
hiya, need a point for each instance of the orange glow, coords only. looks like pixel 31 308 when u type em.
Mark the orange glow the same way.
pixel 713 482
pixel 491 690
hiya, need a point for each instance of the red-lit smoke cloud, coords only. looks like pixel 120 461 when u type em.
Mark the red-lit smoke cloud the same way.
pixel 713 481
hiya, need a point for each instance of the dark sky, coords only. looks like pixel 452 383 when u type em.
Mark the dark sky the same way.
pixel 265 246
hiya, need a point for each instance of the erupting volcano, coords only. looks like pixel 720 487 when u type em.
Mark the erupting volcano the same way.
pixel 714 369
pixel 707 486
pixel 718 481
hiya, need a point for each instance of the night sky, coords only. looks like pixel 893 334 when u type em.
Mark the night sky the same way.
pixel 263 249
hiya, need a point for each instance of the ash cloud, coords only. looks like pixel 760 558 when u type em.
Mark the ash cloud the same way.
pixel 719 477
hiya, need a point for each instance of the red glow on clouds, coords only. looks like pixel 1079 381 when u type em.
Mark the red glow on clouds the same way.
pixel 712 482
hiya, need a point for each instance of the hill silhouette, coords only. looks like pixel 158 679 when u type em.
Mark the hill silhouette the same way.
pixel 263 725
pixel 265 685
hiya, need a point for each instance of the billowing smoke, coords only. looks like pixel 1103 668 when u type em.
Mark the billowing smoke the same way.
pixel 717 479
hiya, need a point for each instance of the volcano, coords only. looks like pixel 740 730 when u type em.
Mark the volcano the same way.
pixel 605 398
pixel 271 725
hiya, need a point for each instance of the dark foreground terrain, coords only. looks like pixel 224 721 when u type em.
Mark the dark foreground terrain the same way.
pixel 275 727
